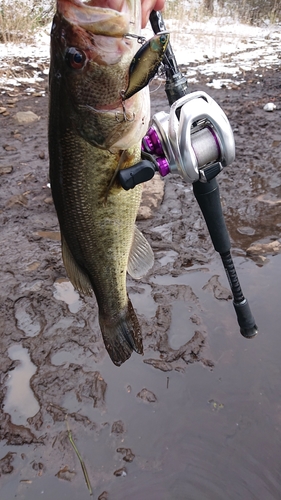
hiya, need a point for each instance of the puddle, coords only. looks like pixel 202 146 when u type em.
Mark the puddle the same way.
pixel 143 302
pixel 64 291
pixel 20 402
pixel 168 257
pixel 25 318
pixel 77 355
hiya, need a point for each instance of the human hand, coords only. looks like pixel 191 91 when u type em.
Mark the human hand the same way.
pixel 147 6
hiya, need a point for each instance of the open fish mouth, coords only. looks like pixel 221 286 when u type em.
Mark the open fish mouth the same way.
pixel 110 17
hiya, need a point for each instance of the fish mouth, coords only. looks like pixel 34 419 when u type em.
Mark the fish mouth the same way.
pixel 102 17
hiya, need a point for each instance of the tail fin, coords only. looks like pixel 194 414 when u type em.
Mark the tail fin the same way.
pixel 121 334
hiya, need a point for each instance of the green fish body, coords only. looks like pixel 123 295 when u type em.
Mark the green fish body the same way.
pixel 92 134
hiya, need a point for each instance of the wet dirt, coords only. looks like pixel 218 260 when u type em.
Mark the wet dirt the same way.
pixel 199 415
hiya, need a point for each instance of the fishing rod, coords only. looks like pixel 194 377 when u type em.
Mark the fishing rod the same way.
pixel 194 140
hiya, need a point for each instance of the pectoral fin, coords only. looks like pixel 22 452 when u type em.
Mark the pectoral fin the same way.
pixel 141 257
pixel 77 276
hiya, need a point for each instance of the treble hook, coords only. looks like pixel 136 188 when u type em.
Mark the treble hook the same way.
pixel 140 39
pixel 125 116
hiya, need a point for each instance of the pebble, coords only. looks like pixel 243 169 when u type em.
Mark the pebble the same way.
pixel 121 472
pixel 5 169
pixel 270 106
pixel 147 396
pixel 264 248
pixel 249 231
pixel 26 117
pixel 118 427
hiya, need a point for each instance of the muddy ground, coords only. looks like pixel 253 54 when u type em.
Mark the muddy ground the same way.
pixel 199 415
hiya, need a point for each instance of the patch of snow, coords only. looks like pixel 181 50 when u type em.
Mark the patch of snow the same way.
pixel 218 48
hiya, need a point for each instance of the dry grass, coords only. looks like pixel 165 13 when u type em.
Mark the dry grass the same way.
pixel 247 11
pixel 19 19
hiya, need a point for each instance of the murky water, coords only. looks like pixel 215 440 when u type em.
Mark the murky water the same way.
pixel 210 434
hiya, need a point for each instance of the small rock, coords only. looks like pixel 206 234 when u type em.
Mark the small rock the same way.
pixel 270 106
pixel 159 364
pixel 48 200
pixel 120 472
pixel 42 155
pixel 117 427
pixel 103 496
pixel 7 147
pixel 147 396
pixel 5 463
pixel 5 169
pixel 66 474
pixel 33 266
pixel 26 117
pixel 264 248
pixel 2 110
pixel 249 231
pixel 129 455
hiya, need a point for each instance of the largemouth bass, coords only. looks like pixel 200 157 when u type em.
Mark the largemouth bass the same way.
pixel 92 134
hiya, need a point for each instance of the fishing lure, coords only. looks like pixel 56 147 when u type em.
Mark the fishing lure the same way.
pixel 145 63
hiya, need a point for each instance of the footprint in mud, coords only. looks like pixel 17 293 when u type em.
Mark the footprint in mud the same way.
pixel 176 332
pixel 26 318
pixel 20 402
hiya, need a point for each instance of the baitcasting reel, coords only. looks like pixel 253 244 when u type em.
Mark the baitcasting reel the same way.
pixel 197 145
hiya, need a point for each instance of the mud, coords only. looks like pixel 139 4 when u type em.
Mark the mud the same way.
pixel 198 416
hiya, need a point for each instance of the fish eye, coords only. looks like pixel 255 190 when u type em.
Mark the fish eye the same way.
pixel 75 58
pixel 163 39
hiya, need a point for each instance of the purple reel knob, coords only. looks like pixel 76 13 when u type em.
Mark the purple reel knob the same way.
pixel 163 166
pixel 152 143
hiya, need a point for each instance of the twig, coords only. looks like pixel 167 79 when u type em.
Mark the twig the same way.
pixel 79 457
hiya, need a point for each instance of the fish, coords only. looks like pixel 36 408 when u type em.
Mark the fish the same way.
pixel 93 133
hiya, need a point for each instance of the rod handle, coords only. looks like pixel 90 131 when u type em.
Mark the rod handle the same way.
pixel 208 197
pixel 248 327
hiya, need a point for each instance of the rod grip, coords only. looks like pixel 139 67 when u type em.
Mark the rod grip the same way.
pixel 208 197
pixel 248 327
